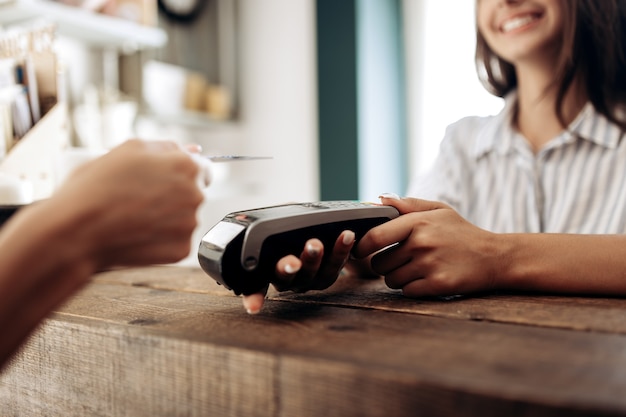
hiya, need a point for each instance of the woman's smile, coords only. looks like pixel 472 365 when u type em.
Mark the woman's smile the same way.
pixel 519 23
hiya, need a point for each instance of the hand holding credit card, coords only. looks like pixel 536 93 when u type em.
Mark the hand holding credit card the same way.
pixel 71 158
pixel 205 162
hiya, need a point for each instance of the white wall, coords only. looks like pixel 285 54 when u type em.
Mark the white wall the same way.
pixel 279 95
pixel 442 81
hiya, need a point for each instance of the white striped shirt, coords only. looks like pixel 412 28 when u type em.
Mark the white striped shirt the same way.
pixel 488 172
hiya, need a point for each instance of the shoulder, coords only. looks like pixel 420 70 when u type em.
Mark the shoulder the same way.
pixel 468 133
pixel 476 135
pixel 468 125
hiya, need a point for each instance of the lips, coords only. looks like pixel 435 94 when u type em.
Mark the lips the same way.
pixel 518 22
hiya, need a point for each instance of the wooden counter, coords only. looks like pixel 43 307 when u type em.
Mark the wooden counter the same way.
pixel 167 341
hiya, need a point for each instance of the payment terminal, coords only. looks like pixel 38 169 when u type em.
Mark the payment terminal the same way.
pixel 241 251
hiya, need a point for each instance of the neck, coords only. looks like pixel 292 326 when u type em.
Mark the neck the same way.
pixel 536 117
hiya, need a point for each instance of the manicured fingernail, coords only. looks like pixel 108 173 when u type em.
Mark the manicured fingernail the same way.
pixel 246 305
pixel 348 237
pixel 253 303
pixel 290 269
pixel 393 196
pixel 312 250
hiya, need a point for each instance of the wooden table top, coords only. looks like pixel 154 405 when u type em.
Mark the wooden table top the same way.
pixel 168 341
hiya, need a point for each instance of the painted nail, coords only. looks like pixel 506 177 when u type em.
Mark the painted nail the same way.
pixel 195 147
pixel 312 250
pixel 252 303
pixel 290 269
pixel 393 196
pixel 348 237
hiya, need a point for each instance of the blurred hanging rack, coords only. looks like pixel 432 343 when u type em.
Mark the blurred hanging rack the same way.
pixel 92 28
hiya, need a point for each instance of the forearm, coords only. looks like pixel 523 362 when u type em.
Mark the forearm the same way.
pixel 42 264
pixel 136 205
pixel 577 264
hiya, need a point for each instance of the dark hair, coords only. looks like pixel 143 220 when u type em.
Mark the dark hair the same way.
pixel 594 38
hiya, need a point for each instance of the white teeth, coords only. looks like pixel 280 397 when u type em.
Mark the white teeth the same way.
pixel 517 22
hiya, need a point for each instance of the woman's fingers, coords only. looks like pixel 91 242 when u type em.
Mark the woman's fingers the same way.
pixel 253 302
pixel 331 268
pixel 286 270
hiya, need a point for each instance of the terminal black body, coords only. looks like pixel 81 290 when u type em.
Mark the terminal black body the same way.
pixel 241 251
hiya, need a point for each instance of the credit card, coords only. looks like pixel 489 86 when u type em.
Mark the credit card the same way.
pixel 231 158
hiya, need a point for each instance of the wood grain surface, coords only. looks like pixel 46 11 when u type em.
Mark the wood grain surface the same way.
pixel 168 341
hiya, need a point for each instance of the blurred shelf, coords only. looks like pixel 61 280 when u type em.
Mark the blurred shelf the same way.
pixel 92 28
pixel 188 119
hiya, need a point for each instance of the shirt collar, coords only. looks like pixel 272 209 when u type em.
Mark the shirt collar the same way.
pixel 595 127
pixel 498 134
